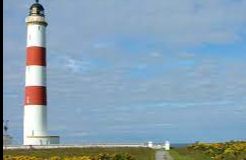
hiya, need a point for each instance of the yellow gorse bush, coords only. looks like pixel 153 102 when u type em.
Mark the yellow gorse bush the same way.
pixel 234 150
pixel 7 157
pixel 78 158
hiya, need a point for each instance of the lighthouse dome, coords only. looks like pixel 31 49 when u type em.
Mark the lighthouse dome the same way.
pixel 36 9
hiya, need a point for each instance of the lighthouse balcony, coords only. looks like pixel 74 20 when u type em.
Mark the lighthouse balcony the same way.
pixel 36 20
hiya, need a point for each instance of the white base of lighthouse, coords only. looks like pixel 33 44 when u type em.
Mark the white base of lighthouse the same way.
pixel 41 140
pixel 35 126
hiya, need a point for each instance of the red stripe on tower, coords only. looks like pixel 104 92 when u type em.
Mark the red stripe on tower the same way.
pixel 35 95
pixel 36 56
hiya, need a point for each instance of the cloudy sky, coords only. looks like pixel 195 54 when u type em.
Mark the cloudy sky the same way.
pixel 134 70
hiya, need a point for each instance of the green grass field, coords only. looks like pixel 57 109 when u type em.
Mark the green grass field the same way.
pixel 138 153
pixel 184 154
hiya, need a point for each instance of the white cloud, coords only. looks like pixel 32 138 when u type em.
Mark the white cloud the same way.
pixel 173 23
pixel 77 66
pixel 155 54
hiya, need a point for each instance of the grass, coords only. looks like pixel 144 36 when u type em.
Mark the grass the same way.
pixel 185 154
pixel 140 153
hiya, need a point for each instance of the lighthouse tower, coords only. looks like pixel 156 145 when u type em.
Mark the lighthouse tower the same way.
pixel 35 109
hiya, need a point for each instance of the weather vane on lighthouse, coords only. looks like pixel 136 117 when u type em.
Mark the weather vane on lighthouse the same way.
pixel 37 1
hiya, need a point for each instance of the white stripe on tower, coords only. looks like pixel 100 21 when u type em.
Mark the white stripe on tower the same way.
pixel 35 75
pixel 36 35
pixel 35 110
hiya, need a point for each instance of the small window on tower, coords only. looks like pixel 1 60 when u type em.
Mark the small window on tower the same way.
pixel 39 28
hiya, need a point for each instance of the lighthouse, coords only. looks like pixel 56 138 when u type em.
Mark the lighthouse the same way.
pixel 35 103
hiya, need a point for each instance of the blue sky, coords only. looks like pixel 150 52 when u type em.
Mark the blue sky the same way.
pixel 134 70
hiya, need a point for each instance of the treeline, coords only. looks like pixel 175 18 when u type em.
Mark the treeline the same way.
pixel 233 150
pixel 102 156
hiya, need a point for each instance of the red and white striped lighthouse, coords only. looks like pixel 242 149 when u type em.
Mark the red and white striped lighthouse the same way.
pixel 35 108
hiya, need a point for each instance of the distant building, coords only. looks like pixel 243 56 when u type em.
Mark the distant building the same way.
pixel 167 145
pixel 162 145
pixel 150 144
